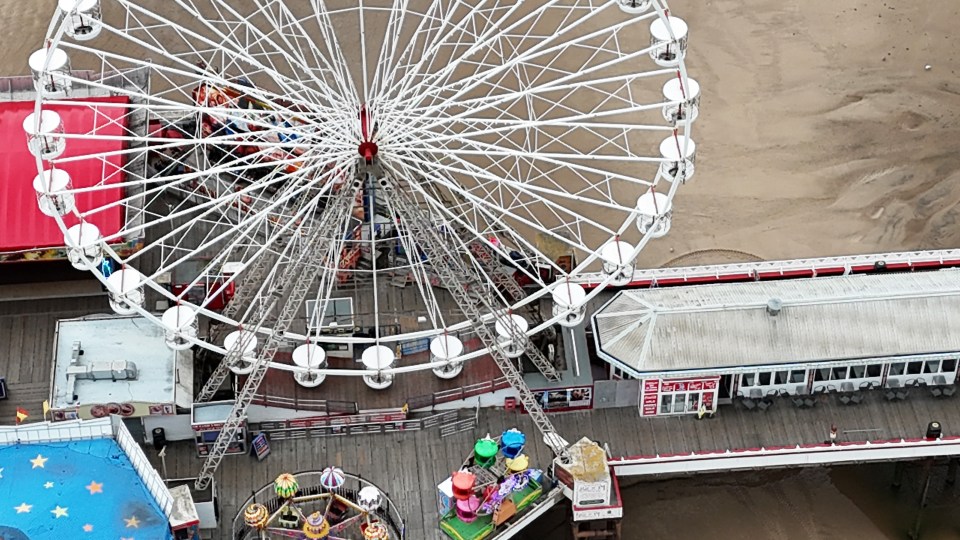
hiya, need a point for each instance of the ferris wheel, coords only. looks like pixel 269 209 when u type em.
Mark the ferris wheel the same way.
pixel 367 145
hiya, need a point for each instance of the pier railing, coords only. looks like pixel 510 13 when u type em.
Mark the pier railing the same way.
pixel 800 455
pixel 276 431
pixel 322 406
pixel 456 394
pixel 761 270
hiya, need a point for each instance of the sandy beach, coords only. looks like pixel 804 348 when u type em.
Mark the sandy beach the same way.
pixel 821 133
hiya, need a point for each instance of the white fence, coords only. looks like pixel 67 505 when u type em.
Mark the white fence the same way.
pixel 149 475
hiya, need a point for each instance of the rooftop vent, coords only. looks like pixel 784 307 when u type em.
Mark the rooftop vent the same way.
pixel 774 306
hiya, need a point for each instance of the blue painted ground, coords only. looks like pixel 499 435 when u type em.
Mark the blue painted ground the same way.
pixel 74 491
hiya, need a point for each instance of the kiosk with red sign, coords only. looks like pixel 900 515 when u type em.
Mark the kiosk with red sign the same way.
pixel 678 396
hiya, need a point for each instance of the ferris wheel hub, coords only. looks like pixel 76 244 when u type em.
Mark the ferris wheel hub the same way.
pixel 368 150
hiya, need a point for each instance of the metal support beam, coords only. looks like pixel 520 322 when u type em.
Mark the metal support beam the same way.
pixel 295 282
pixel 459 280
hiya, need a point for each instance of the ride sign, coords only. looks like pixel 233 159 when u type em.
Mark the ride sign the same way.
pixel 261 446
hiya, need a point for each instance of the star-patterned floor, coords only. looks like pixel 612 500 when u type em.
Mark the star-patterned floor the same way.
pixel 75 490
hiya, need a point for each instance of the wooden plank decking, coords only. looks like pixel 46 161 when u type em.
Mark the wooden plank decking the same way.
pixel 27 329
pixel 409 465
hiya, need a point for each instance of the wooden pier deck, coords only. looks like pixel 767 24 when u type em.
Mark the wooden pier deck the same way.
pixel 409 465
pixel 27 330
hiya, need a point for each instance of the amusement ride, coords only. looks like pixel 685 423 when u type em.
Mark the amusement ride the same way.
pixel 483 153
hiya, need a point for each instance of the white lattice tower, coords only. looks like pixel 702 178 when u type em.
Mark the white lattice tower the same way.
pixel 457 280
pixel 298 278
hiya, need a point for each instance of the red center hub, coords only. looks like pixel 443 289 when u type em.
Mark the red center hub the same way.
pixel 368 148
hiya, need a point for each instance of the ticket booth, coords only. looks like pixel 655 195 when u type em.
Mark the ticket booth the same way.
pixel 207 420
pixel 184 520
pixel 659 397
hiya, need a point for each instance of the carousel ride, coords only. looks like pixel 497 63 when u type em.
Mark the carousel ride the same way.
pixel 319 505
pixel 478 155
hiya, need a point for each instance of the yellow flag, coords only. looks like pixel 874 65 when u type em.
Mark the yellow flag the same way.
pixel 46 408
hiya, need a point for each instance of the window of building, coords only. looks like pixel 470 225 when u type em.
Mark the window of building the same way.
pixel 748 379
pixel 896 369
pixel 874 370
pixel 914 368
pixel 857 372
pixel 780 377
pixel 798 376
pixel 931 366
pixel 948 366
pixel 821 374
pixel 838 373
pixel 765 378
pixel 666 403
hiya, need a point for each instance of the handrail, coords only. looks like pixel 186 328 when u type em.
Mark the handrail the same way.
pixel 759 270
pixel 785 455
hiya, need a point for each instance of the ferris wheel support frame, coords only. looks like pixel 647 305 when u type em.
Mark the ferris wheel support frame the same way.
pixel 458 280
pixel 297 278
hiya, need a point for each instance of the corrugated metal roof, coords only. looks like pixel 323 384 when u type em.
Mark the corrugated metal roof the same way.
pixel 822 319
pixel 22 225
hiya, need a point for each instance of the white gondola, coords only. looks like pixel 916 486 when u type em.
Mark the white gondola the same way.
pixel 672 166
pixel 665 50
pixel 683 102
pixel 446 348
pixel 45 135
pixel 82 18
pixel 53 197
pixel 505 335
pixel 635 7
pixel 51 78
pixel 310 356
pixel 568 299
pixel 180 325
pixel 247 340
pixel 654 211
pixel 125 291
pixel 378 358
pixel 617 262
pixel 83 246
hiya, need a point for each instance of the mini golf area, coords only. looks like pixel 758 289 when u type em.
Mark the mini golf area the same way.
pixel 74 491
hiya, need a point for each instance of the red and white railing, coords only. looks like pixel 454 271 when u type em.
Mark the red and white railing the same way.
pixel 801 455
pixel 824 266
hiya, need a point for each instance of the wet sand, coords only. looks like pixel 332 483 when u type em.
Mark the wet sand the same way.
pixel 821 134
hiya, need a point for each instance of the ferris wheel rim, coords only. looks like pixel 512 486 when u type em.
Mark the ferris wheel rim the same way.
pixel 201 309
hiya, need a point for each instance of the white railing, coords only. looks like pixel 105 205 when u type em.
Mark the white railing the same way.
pixel 784 268
pixel 151 478
pixel 786 456
pixel 47 432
